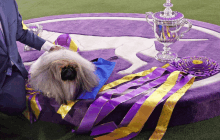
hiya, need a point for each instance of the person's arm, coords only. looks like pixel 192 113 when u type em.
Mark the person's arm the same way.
pixel 25 36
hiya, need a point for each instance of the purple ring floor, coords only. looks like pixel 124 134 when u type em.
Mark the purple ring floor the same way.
pixel 196 105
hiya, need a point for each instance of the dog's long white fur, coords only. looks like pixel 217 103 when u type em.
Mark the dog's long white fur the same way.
pixel 46 76
pixel 49 57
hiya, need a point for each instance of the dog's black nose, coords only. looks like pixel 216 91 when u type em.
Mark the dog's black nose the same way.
pixel 68 73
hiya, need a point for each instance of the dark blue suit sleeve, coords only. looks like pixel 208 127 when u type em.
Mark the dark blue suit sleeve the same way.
pixel 25 36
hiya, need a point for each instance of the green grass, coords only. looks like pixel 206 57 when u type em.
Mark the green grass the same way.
pixel 201 10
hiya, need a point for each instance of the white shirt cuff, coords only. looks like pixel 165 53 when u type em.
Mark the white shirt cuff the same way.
pixel 46 46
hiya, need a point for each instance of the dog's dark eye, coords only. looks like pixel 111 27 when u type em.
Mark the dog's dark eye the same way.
pixel 68 73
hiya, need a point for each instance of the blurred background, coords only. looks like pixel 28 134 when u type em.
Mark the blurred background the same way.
pixel 202 10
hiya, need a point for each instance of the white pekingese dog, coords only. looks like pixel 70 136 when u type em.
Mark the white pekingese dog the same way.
pixel 63 75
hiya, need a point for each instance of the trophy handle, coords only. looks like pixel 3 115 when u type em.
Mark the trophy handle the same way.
pixel 189 27
pixel 147 18
pixel 182 24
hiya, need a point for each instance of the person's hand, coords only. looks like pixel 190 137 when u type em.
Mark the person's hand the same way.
pixel 55 47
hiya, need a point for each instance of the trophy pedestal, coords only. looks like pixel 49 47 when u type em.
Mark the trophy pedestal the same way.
pixel 166 57
pixel 27 48
pixel 167 26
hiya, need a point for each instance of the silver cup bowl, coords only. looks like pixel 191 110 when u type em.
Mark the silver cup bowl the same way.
pixel 167 26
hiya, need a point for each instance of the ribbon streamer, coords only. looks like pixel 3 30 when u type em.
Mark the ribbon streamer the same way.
pixel 133 110
pixel 128 117
pixel 168 109
pixel 64 109
pixel 98 130
pixel 29 108
pixel 33 103
pixel 127 78
pixel 145 110
pixel 35 106
pixel 104 128
pixel 113 103
pixel 94 109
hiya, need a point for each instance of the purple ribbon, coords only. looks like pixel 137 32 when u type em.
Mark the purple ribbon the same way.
pixel 131 113
pixel 134 109
pixel 94 109
pixel 104 128
pixel 32 117
pixel 37 101
pixel 178 86
pixel 132 135
pixel 98 130
pixel 113 103
pixel 29 108
pixel 108 108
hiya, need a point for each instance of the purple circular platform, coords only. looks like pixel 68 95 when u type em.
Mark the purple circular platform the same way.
pixel 197 104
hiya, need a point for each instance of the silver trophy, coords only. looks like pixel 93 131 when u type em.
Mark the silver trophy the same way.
pixel 36 29
pixel 167 26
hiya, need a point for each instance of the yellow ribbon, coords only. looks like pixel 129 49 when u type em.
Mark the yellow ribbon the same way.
pixel 164 37
pixel 165 66
pixel 64 109
pixel 26 112
pixel 145 110
pixel 33 103
pixel 168 33
pixel 34 106
pixel 24 26
pixel 167 111
pixel 128 78
pixel 73 46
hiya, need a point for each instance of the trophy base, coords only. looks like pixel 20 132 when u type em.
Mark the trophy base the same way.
pixel 168 57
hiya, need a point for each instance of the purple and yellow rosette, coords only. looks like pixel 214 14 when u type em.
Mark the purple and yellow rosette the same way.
pixel 199 66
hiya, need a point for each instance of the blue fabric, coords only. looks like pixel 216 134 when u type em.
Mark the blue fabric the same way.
pixel 104 69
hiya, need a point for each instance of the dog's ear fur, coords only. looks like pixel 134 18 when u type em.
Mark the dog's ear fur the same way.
pixel 45 80
pixel 87 78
